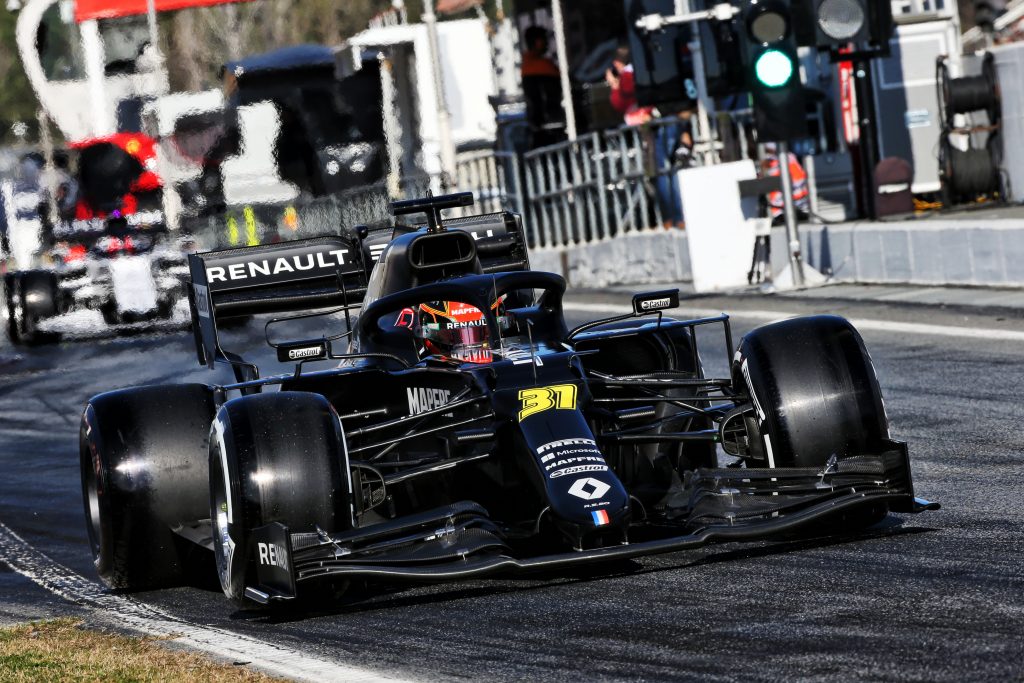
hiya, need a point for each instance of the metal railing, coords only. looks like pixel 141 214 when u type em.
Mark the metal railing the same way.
pixel 630 164
pixel 566 190
pixel 493 177
pixel 601 186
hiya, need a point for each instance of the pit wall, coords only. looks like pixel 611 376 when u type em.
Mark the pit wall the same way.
pixel 925 252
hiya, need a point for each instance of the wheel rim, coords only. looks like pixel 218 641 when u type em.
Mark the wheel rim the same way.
pixel 223 545
pixel 91 496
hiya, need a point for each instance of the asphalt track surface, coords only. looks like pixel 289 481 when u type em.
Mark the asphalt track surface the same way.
pixel 936 597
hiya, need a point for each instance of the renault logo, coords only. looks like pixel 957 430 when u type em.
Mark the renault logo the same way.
pixel 588 489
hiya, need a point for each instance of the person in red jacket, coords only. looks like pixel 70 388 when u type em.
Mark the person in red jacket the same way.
pixel 621 80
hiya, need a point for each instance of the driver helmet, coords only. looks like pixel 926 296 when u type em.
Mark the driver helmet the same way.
pixel 455 330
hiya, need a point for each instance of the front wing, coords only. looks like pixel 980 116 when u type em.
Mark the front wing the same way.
pixel 713 505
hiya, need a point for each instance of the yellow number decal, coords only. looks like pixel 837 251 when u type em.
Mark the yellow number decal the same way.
pixel 560 396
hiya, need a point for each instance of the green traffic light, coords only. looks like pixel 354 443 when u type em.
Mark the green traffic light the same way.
pixel 773 69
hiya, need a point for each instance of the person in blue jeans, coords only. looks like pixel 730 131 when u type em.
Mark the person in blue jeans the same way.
pixel 672 145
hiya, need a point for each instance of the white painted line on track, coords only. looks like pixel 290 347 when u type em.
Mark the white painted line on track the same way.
pixel 863 324
pixel 134 615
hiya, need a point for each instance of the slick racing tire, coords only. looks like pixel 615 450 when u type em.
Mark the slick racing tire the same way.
pixel 814 391
pixel 31 296
pixel 144 472
pixel 273 458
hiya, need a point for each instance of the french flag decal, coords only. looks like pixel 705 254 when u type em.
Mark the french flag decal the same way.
pixel 600 517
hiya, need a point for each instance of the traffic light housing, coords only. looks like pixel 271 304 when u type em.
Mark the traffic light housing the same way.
pixel 722 58
pixel 830 24
pixel 767 36
pixel 662 63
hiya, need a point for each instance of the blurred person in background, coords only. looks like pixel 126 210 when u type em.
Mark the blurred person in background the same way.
pixel 5 245
pixel 672 144
pixel 542 89
pixel 621 80
pixel 67 186
pixel 797 175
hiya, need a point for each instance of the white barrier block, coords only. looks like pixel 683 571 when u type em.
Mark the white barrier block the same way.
pixel 721 241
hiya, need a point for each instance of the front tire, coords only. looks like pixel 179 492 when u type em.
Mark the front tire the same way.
pixel 31 296
pixel 814 391
pixel 276 457
pixel 143 455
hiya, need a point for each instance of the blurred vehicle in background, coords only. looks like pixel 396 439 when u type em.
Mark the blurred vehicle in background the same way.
pixel 285 130
pixel 329 133
pixel 107 261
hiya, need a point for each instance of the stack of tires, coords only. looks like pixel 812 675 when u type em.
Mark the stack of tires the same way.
pixel 969 169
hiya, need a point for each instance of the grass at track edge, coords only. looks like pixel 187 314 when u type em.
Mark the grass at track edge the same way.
pixel 61 650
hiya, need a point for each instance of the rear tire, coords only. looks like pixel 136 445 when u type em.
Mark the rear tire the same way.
pixel 274 458
pixel 814 390
pixel 143 455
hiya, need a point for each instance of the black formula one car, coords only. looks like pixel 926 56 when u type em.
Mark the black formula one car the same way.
pixel 465 431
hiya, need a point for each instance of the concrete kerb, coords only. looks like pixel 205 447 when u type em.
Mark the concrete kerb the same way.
pixel 922 252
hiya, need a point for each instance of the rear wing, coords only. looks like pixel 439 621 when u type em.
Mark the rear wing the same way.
pixel 330 272
pixel 317 273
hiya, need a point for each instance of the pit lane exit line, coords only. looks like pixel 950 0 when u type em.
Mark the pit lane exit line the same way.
pixel 126 612
pixel 862 324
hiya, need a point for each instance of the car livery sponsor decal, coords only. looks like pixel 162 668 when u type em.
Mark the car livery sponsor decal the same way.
pixel 650 302
pixel 578 469
pixel 559 397
pixel 521 356
pixel 655 304
pixel 303 350
pixel 571 456
pixel 589 489
pixel 202 300
pixel 600 517
pixel 268 267
pixel 273 555
pixel 422 399
pixel 308 352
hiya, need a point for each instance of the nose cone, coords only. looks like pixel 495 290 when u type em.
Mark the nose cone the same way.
pixel 586 501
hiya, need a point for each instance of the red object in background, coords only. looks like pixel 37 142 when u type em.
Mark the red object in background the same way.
pixel 75 253
pixel 139 147
pixel 848 100
pixel 116 245
pixel 456 6
pixel 108 9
